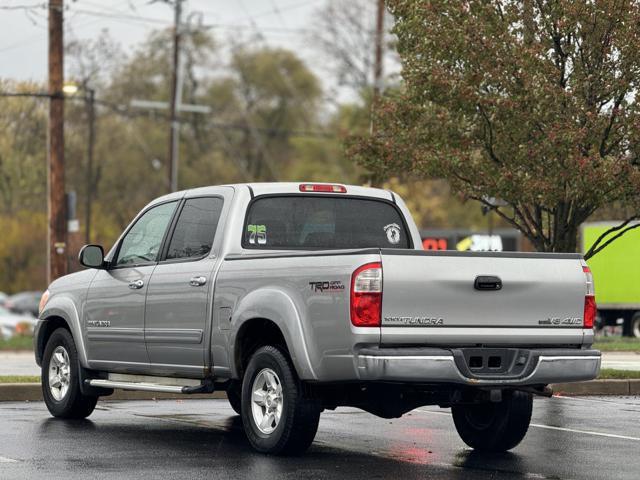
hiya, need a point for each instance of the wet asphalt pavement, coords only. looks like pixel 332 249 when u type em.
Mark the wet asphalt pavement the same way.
pixel 571 438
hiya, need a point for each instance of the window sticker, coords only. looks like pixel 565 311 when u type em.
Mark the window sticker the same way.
pixel 257 234
pixel 393 233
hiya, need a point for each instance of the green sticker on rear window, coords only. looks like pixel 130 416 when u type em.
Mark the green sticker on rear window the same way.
pixel 257 234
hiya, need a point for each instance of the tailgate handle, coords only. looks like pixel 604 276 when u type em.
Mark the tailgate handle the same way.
pixel 487 282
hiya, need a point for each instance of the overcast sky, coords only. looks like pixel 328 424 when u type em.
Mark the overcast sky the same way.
pixel 23 32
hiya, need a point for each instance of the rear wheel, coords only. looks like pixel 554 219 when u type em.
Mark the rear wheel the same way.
pixel 60 378
pixel 494 427
pixel 277 416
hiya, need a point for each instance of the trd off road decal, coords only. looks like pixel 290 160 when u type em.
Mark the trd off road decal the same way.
pixel 393 233
pixel 332 286
pixel 257 234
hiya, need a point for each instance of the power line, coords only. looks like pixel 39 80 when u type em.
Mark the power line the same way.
pixel 266 13
pixel 159 21
pixel 123 17
pixel 127 112
pixel 32 38
pixel 24 7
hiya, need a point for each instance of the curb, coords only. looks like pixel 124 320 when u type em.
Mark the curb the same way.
pixel 32 392
pixel 599 387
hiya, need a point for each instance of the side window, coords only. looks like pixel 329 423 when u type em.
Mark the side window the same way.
pixel 195 228
pixel 142 243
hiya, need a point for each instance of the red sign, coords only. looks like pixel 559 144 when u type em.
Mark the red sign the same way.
pixel 431 243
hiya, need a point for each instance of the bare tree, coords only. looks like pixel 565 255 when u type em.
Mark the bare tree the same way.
pixel 344 32
pixel 90 62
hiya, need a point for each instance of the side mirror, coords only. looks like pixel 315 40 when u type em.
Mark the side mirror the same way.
pixel 92 256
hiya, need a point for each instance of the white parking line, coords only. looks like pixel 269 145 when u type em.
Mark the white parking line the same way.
pixel 7 460
pixel 549 427
pixel 586 432
pixel 599 400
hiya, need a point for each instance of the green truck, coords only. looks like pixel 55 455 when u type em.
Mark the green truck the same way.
pixel 616 271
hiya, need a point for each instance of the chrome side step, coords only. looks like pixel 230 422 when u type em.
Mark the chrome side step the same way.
pixel 205 387
pixel 146 387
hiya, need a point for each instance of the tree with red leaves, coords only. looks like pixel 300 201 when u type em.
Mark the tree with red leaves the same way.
pixel 530 102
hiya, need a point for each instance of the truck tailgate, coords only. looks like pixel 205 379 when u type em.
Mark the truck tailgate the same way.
pixel 459 298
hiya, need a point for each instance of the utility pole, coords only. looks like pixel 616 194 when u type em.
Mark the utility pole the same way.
pixel 56 252
pixel 378 65
pixel 193 22
pixel 90 98
pixel 175 99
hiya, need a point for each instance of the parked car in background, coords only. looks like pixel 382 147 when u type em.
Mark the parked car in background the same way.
pixel 24 302
pixel 3 298
pixel 12 324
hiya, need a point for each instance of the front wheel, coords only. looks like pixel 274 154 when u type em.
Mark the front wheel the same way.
pixel 234 395
pixel 61 380
pixel 494 427
pixel 277 416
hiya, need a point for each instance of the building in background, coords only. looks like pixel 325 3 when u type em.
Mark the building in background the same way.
pixel 500 240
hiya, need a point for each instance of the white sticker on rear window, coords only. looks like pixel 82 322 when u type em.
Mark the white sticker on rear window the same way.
pixel 393 233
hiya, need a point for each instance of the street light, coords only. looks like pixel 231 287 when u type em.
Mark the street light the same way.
pixel 71 88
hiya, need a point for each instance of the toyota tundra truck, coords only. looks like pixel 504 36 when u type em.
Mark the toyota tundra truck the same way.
pixel 296 298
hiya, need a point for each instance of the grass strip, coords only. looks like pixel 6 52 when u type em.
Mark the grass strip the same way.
pixel 610 373
pixel 20 379
pixel 605 374
pixel 617 344
pixel 16 343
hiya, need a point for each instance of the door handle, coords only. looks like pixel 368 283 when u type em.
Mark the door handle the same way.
pixel 136 285
pixel 198 281
pixel 487 282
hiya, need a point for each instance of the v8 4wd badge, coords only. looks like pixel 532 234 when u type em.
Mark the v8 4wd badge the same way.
pixel 560 321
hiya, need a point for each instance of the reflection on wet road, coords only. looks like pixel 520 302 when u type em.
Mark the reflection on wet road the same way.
pixel 573 438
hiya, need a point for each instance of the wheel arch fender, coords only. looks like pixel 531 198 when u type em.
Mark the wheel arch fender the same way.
pixel 64 308
pixel 279 308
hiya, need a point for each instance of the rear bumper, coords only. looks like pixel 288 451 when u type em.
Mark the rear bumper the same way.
pixel 433 365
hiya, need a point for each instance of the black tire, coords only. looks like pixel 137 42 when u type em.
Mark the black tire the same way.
pixel 234 395
pixel 634 329
pixel 73 404
pixel 494 427
pixel 298 423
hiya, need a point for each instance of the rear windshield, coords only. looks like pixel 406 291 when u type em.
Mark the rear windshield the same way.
pixel 315 222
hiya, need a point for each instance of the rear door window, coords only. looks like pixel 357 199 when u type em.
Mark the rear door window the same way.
pixel 321 222
pixel 195 228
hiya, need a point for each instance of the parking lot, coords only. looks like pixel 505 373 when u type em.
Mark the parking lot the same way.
pixel 570 438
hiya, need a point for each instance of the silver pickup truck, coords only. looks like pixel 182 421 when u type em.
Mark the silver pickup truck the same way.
pixel 295 298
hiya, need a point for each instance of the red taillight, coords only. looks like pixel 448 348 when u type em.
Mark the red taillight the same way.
pixel 590 308
pixel 366 295
pixel 322 187
pixel 589 311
